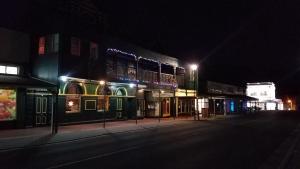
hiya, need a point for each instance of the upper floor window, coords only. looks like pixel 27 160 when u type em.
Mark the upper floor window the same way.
pixel 42 42
pixel 93 50
pixel 131 71
pixel 75 46
pixel 48 44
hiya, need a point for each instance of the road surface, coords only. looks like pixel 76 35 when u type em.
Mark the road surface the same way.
pixel 236 143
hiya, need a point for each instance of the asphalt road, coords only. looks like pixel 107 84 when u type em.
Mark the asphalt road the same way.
pixel 237 143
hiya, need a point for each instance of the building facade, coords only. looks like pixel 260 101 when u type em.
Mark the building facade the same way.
pixel 219 98
pixel 21 95
pixel 265 92
pixel 66 66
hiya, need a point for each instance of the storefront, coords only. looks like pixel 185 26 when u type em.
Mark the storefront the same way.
pixel 89 100
pixel 25 102
pixel 185 102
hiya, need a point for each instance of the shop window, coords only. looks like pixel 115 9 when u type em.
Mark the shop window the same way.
pixel 73 97
pixel 72 103
pixel 7 104
pixel 75 46
pixel 93 51
pixel 101 104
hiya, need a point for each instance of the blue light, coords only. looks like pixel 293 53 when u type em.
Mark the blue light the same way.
pixel 231 106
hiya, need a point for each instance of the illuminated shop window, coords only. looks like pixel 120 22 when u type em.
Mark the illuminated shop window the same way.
pixel 73 97
pixel 7 104
pixel 101 103
pixel 12 70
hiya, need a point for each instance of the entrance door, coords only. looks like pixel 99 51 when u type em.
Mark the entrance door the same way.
pixel 166 107
pixel 41 111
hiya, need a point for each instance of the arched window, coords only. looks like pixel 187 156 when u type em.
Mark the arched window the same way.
pixel 73 88
pixel 121 92
pixel 74 92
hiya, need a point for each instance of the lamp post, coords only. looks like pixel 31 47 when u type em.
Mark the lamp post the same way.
pixel 194 68
pixel 103 84
pixel 137 89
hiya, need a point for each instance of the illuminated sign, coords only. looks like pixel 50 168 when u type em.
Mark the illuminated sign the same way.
pixel 261 91
pixel 12 70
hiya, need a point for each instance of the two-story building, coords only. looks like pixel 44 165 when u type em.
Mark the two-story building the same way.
pixel 74 69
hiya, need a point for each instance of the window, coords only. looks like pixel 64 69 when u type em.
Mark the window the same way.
pixel 42 45
pixel 90 104
pixel 101 104
pixel 180 80
pixel 73 99
pixel 192 75
pixel 110 68
pixel 48 44
pixel 119 103
pixel 75 46
pixel 166 78
pixel 93 51
pixel 72 103
pixel 52 43
pixel 7 104
pixel 131 71
pixel 12 70
pixel 121 69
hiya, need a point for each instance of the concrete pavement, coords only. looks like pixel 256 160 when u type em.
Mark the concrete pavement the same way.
pixel 19 138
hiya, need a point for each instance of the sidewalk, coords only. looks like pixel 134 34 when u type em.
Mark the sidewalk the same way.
pixel 23 138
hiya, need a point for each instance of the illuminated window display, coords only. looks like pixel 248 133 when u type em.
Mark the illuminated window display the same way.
pixel 73 100
pixel 72 103
pixel 7 104
pixel 102 103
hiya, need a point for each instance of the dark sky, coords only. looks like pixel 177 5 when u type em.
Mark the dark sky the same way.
pixel 234 41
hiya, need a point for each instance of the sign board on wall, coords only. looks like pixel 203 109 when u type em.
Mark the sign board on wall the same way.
pixel 7 104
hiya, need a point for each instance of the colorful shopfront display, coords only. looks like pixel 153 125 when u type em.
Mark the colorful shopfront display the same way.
pixel 7 104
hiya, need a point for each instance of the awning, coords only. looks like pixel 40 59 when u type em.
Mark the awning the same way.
pixel 22 81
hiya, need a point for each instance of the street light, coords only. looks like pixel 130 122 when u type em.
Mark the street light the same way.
pixel 103 84
pixel 194 68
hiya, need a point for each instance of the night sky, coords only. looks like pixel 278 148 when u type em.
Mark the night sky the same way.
pixel 233 41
